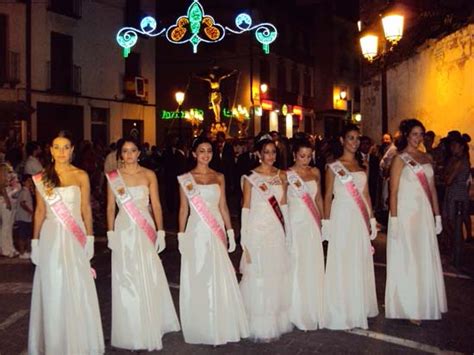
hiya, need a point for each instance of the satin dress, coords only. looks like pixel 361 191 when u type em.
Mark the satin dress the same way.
pixel 142 307
pixel 211 307
pixel 64 316
pixel 415 284
pixel 265 267
pixel 307 263
pixel 349 284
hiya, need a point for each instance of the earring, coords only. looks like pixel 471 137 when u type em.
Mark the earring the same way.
pixel 52 160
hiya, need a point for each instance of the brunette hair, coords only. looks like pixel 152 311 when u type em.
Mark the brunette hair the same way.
pixel 405 128
pixel 299 143
pixel 339 148
pixel 50 177
pixel 262 140
pixel 198 141
pixel 121 142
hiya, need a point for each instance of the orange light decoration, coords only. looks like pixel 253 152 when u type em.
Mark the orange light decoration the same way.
pixel 297 110
pixel 267 105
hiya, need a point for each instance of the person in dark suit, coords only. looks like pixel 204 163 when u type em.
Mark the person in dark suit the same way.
pixel 223 160
pixel 372 163
pixel 174 164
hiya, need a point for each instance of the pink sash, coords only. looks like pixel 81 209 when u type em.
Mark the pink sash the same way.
pixel 265 192
pixel 60 210
pixel 197 201
pixel 123 196
pixel 346 178
pixel 301 190
pixel 417 169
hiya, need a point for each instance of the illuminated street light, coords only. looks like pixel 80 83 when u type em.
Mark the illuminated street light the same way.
pixel 369 45
pixel 263 88
pixel 393 28
pixel 179 96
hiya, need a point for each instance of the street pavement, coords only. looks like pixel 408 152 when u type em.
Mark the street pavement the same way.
pixel 453 334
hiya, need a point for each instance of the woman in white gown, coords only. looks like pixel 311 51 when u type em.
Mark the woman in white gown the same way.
pixel 265 238
pixel 350 295
pixel 64 316
pixel 142 307
pixel 211 307
pixel 415 285
pixel 307 257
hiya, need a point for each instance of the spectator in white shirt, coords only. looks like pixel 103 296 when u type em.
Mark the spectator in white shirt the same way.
pixel 32 165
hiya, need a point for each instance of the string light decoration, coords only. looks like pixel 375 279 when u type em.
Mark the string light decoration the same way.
pixel 265 33
pixel 196 27
pixel 127 37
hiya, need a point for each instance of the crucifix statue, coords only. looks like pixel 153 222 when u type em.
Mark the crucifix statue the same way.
pixel 214 78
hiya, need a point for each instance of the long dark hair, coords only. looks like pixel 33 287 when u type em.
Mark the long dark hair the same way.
pixel 339 149
pixel 405 128
pixel 299 143
pixel 50 177
pixel 122 141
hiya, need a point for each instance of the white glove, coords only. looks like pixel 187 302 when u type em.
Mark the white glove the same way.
pixel 438 225
pixel 181 241
pixel 160 243
pixel 373 228
pixel 110 239
pixel 34 251
pixel 90 247
pixel 231 237
pixel 288 234
pixel 243 227
pixel 393 227
pixel 326 229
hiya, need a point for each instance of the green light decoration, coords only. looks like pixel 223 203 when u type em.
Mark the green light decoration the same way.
pixel 196 27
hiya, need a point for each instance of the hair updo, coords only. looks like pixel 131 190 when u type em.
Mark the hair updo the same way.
pixel 262 140
pixel 405 128
pixel 198 141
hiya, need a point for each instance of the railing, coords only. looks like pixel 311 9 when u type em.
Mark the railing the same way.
pixel 13 68
pixel 64 80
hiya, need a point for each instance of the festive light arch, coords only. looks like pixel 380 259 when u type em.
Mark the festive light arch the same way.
pixel 196 27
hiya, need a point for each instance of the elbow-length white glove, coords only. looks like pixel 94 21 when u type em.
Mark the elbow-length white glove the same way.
pixel 373 228
pixel 89 248
pixel 438 225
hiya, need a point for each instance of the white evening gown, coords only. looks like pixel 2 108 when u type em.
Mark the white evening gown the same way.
pixel 415 284
pixel 265 284
pixel 307 263
pixel 349 284
pixel 211 307
pixel 142 307
pixel 64 317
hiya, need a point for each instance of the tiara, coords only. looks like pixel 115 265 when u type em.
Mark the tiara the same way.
pixel 264 137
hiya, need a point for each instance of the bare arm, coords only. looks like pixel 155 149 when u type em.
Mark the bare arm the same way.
pixel 366 195
pixel 110 208
pixel 395 173
pixel 319 198
pixel 155 199
pixel 86 210
pixel 39 216
pixel 247 194
pixel 183 210
pixel 329 191
pixel 25 206
pixel 224 209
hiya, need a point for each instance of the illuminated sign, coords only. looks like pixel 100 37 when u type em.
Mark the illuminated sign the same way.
pixel 196 27
pixel 267 105
pixel 297 110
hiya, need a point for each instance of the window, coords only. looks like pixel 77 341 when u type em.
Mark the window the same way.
pixel 62 71
pixel 3 48
pixel 72 8
pixel 132 65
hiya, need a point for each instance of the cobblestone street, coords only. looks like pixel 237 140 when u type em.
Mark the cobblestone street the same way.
pixel 453 334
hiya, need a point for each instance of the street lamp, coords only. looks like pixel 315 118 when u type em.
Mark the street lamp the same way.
pixel 392 24
pixel 179 96
pixel 263 88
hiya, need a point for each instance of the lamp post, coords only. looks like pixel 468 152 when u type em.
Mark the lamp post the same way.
pixel 392 24
pixel 179 96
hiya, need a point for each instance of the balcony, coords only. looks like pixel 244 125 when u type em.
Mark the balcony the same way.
pixel 64 80
pixel 70 8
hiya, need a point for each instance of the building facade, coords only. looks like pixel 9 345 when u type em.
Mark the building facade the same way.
pixel 63 70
